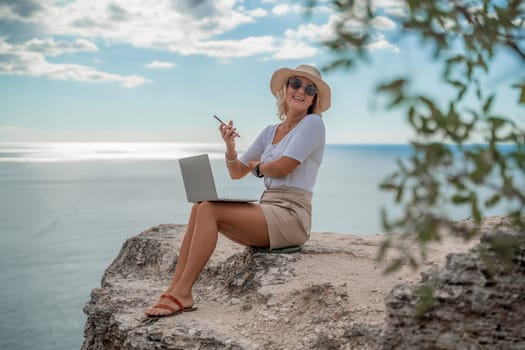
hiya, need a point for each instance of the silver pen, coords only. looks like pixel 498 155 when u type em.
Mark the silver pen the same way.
pixel 223 123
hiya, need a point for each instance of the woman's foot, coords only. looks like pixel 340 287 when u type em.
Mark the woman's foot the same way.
pixel 169 305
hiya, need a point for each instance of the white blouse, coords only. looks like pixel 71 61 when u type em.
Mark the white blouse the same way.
pixel 304 143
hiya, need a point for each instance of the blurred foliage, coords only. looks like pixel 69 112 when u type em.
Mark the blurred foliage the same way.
pixel 425 295
pixel 445 168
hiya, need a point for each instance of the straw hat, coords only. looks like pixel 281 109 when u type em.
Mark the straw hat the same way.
pixel 281 76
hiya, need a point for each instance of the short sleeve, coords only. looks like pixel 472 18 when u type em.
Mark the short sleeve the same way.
pixel 256 149
pixel 309 136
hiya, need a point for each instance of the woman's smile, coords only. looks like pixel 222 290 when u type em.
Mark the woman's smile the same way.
pixel 298 98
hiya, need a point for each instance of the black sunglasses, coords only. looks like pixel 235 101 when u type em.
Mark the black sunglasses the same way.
pixel 295 83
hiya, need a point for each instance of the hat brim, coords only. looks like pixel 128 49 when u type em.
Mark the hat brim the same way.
pixel 281 76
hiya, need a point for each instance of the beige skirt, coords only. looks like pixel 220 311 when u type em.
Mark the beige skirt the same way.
pixel 288 214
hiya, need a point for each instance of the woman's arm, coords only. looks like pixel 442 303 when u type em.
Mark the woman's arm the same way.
pixel 236 169
pixel 276 168
pixel 309 136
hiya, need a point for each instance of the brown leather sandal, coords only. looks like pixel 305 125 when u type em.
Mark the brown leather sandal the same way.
pixel 174 311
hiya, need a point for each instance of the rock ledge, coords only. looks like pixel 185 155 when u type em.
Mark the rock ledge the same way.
pixel 332 295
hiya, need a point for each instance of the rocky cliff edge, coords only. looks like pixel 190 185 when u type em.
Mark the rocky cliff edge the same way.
pixel 332 295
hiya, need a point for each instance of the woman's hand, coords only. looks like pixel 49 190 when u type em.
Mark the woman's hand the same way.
pixel 228 134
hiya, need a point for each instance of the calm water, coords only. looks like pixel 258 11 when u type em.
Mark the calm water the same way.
pixel 66 209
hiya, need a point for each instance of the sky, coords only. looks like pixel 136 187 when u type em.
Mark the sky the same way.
pixel 157 70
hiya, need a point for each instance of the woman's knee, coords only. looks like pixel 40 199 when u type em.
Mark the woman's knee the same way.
pixel 195 208
pixel 205 209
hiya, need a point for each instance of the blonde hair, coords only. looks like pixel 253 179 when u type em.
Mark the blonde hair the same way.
pixel 281 102
pixel 282 108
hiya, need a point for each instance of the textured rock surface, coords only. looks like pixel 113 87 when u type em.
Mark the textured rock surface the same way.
pixel 477 304
pixel 330 296
pixel 322 298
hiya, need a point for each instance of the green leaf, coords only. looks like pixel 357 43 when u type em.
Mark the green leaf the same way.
pixel 497 122
pixel 384 221
pixel 460 199
pixel 478 91
pixel 457 84
pixel 455 59
pixel 426 298
pixel 411 112
pixel 461 93
pixel 504 247
pixel 492 201
pixel 428 232
pixel 383 248
pixel 399 195
pixel 388 187
pixel 394 266
pixel 476 213
pixel 427 101
pixel 396 101
pixel 483 167
pixel 488 104
pixel 393 86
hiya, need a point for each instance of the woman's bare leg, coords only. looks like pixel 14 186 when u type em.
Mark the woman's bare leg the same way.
pixel 184 247
pixel 242 222
pixel 183 253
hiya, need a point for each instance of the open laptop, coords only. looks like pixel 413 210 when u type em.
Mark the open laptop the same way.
pixel 199 182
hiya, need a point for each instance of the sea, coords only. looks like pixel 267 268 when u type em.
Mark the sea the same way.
pixel 67 208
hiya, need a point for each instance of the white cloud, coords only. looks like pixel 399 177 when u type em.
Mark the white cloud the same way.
pixel 313 32
pixel 399 12
pixel 20 10
pixel 380 43
pixel 384 10
pixel 382 22
pixel 85 74
pixel 281 9
pixel 155 24
pixel 231 48
pixel 396 8
pixel 284 9
pixel 19 60
pixel 320 33
pixel 159 64
pixel 159 25
pixel 258 12
pixel 164 25
pixel 50 47
pixel 291 49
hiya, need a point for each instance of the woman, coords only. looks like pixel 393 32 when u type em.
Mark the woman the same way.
pixel 287 156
